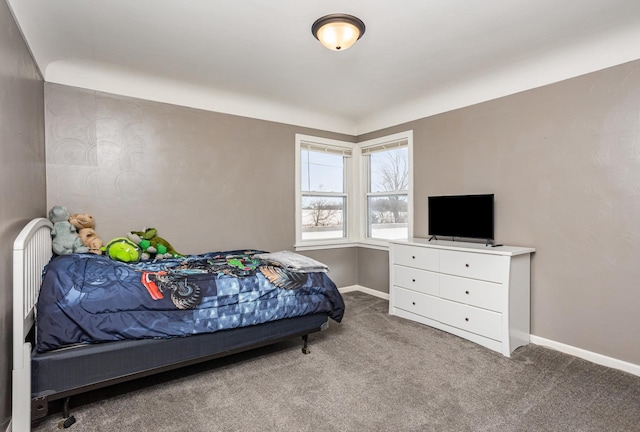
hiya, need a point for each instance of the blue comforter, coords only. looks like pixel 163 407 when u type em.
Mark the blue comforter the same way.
pixel 88 298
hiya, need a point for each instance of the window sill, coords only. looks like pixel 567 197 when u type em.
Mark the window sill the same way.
pixel 369 244
pixel 374 244
pixel 319 246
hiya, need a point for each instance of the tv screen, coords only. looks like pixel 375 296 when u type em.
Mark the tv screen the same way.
pixel 468 216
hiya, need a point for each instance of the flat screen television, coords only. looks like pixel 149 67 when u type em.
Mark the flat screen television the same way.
pixel 466 216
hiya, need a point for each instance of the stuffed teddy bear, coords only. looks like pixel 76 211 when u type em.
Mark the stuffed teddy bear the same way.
pixel 91 240
pixel 65 239
pixel 85 225
pixel 153 246
pixel 82 220
pixel 122 249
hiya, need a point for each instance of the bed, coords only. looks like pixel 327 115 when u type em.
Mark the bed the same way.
pixel 101 322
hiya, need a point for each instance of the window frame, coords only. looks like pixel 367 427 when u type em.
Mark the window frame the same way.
pixel 349 193
pixel 365 180
pixel 355 222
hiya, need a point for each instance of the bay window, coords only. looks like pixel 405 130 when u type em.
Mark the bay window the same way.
pixel 348 194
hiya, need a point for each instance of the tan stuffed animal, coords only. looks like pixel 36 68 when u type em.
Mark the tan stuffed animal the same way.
pixel 91 240
pixel 85 225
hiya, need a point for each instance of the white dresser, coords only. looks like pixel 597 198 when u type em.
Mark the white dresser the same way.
pixel 477 292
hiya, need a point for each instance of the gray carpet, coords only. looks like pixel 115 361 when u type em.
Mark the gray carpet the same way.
pixel 373 372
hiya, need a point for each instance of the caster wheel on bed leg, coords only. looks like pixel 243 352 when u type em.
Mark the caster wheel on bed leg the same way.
pixel 306 350
pixel 66 423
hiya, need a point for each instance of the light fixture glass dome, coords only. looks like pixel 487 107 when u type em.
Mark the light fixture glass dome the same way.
pixel 338 32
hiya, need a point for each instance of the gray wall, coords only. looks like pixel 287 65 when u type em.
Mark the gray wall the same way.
pixel 373 269
pixel 206 181
pixel 564 163
pixel 22 177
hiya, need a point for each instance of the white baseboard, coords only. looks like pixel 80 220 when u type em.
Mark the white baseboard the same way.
pixel 365 290
pixel 587 355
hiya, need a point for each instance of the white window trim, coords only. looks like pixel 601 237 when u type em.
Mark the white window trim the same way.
pixel 356 191
pixel 362 192
pixel 351 192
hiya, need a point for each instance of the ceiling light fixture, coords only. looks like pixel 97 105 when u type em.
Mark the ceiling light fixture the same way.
pixel 338 31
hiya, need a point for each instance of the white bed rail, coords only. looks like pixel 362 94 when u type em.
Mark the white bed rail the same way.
pixel 31 252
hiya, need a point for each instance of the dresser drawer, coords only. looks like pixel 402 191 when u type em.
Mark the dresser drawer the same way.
pixel 417 303
pixel 487 295
pixel 474 265
pixel 417 280
pixel 415 256
pixel 472 319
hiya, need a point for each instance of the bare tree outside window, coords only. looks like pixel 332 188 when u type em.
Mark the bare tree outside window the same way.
pixel 392 173
pixel 322 212
pixel 322 216
pixel 387 199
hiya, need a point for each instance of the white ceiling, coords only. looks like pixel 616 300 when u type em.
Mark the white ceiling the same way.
pixel 258 58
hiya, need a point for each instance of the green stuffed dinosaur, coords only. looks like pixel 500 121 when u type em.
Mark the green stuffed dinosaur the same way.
pixel 153 246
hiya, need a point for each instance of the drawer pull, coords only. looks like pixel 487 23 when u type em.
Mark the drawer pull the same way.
pixel 413 257
pixel 466 319
pixel 466 265
pixel 413 303
pixel 466 292
pixel 413 280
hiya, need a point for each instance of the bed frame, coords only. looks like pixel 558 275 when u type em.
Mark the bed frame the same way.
pixel 39 378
